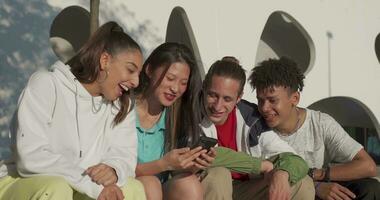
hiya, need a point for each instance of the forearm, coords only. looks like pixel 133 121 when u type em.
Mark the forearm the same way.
pixel 345 172
pixel 361 166
pixel 151 168
pixel 236 161
pixel 295 166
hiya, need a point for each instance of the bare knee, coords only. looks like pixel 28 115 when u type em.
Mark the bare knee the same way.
pixel 184 187
pixel 152 187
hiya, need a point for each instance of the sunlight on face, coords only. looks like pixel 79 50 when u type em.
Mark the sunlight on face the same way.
pixel 168 87
pixel 123 73
pixel 222 97
pixel 275 105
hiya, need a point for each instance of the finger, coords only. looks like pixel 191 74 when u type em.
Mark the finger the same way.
pixel 208 158
pixel 107 179
pixel 111 196
pixel 88 170
pixel 199 167
pixel 101 176
pixel 195 150
pixel 95 170
pixel 335 196
pixel 202 162
pixel 101 197
pixel 97 176
pixel 191 157
pixel 212 152
pixel 347 192
pixel 181 150
pixel 342 195
pixel 188 165
pixel 119 195
pixel 91 169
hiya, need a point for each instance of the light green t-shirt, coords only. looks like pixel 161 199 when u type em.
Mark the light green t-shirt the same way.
pixel 150 141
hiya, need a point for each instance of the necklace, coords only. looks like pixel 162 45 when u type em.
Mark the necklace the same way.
pixel 147 120
pixel 292 137
pixel 298 124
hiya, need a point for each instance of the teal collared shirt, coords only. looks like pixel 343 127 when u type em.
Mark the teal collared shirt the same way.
pixel 150 141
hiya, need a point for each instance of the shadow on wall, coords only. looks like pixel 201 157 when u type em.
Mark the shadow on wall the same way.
pixel 24 30
pixel 25 46
pixel 143 31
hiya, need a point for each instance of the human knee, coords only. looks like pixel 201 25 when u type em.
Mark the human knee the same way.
pixel 304 189
pixel 218 178
pixel 219 174
pixel 186 187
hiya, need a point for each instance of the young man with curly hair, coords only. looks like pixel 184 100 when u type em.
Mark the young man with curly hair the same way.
pixel 238 127
pixel 314 135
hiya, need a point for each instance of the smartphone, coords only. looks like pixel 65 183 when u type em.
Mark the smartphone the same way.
pixel 207 142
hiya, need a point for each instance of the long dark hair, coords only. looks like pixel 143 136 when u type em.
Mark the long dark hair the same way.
pixel 85 65
pixel 183 117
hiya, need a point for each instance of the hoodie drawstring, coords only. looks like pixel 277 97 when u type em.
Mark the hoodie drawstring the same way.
pixel 77 116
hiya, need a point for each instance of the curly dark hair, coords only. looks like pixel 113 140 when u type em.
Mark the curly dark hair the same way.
pixel 277 72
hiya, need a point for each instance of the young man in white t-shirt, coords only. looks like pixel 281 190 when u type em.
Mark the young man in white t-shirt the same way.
pixel 315 136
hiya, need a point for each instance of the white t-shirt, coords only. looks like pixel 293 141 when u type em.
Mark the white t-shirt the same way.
pixel 321 140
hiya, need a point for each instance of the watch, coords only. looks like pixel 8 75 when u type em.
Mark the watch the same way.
pixel 311 172
pixel 326 177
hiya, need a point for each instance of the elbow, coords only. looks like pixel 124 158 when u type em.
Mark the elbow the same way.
pixel 372 170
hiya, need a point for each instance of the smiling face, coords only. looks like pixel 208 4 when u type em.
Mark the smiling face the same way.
pixel 168 87
pixel 276 105
pixel 222 97
pixel 123 73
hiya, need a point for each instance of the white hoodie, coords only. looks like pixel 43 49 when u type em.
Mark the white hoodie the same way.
pixel 62 130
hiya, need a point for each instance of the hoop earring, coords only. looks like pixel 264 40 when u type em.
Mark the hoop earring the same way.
pixel 105 78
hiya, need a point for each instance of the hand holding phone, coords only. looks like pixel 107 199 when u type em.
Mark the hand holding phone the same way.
pixel 207 142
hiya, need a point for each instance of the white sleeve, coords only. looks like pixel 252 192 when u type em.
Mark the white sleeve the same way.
pixel 122 153
pixel 340 146
pixel 271 145
pixel 35 155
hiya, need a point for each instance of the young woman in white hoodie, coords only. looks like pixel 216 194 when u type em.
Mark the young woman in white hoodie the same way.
pixel 75 129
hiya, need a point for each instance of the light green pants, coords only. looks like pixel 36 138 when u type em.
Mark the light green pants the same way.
pixel 55 188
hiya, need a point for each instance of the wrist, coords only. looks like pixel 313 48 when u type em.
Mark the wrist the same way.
pixel 312 173
pixel 326 177
pixel 266 166
pixel 316 174
pixel 282 173
pixel 316 187
pixel 164 165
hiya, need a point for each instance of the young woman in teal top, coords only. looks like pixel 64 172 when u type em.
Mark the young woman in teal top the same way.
pixel 168 118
